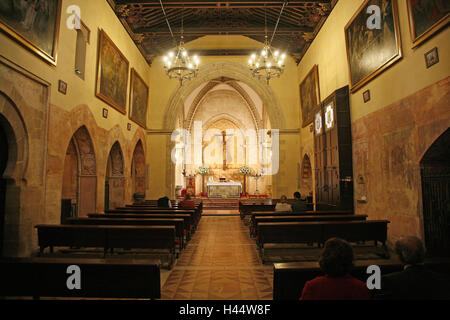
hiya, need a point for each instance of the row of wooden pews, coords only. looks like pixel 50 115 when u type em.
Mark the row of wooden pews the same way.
pixel 271 228
pixel 138 226
pixel 131 227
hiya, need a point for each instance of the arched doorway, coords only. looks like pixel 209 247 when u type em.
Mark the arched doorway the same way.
pixel 435 174
pixel 306 185
pixel 79 186
pixel 138 171
pixel 3 163
pixel 115 181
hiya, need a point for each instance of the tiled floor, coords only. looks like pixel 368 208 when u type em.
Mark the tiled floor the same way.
pixel 221 262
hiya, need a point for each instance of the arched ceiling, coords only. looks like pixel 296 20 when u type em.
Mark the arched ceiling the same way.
pixel 233 85
pixel 145 22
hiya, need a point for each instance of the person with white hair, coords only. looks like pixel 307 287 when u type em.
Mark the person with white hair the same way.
pixel 416 281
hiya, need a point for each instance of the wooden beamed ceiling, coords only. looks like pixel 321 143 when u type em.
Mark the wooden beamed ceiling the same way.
pixel 299 24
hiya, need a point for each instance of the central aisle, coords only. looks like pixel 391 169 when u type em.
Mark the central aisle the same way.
pixel 221 262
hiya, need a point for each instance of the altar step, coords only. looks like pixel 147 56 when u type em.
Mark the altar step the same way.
pixel 220 204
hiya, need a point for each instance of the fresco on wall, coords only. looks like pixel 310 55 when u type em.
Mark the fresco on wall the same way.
pixel 34 24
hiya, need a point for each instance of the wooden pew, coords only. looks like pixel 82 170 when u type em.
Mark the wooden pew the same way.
pixel 321 231
pixel 290 278
pixel 304 213
pixel 195 215
pixel 248 206
pixel 188 219
pixel 304 218
pixel 100 278
pixel 108 237
pixel 178 223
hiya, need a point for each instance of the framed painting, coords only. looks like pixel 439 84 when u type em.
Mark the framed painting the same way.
pixel 309 95
pixel 370 51
pixel 138 99
pixel 112 74
pixel 426 17
pixel 34 24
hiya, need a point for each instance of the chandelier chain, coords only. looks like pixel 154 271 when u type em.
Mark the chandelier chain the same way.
pixel 279 17
pixel 168 24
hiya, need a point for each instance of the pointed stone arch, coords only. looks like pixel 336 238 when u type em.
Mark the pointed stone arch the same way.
pixel 138 170
pixel 79 183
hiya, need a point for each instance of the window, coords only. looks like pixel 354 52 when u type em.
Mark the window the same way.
pixel 83 35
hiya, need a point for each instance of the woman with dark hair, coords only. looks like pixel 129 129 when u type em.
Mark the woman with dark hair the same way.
pixel 336 261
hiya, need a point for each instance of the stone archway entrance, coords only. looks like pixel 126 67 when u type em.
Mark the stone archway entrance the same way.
pixel 435 174
pixel 115 181
pixel 3 163
pixel 232 73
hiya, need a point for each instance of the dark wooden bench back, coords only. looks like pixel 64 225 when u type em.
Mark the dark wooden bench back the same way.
pixel 319 232
pixel 100 278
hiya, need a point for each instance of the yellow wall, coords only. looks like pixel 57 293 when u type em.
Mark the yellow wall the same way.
pixel 95 14
pixel 405 77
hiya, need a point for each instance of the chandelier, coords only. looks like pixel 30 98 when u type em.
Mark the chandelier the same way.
pixel 268 64
pixel 179 65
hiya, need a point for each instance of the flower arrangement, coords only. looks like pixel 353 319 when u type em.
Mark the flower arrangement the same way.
pixel 203 170
pixel 245 170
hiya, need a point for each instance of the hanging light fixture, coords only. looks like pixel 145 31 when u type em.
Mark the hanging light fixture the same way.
pixel 268 64
pixel 178 64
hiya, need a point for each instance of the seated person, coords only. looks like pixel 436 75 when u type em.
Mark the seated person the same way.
pixel 283 205
pixel 336 261
pixel 416 281
pixel 164 202
pixel 187 202
pixel 298 205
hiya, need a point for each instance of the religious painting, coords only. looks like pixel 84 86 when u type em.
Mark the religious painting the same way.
pixel 34 24
pixel 371 49
pixel 426 17
pixel 138 99
pixel 309 95
pixel 112 74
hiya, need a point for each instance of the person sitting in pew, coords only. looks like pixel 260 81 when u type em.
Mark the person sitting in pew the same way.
pixel 336 261
pixel 187 202
pixel 298 205
pixel 283 206
pixel 415 282
pixel 164 202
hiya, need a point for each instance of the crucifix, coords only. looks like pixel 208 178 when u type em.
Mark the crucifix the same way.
pixel 224 148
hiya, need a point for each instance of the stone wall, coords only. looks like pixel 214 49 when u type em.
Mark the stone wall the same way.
pixel 387 148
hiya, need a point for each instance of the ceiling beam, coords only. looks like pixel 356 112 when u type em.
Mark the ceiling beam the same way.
pixel 218 4
pixel 188 30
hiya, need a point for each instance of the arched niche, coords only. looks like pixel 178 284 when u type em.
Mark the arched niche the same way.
pixel 306 182
pixel 80 175
pixel 138 170
pixel 115 181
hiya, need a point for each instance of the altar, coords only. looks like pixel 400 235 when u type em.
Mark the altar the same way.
pixel 229 189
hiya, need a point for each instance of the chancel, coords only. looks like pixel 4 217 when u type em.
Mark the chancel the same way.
pixel 218 150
